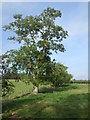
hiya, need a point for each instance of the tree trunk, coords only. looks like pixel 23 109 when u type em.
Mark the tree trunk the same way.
pixel 35 89
pixel 35 86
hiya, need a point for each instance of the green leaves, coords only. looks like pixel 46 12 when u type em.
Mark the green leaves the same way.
pixel 18 16
pixel 59 75
pixel 39 35
pixel 51 13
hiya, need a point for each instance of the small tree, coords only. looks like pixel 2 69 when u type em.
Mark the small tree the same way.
pixel 59 75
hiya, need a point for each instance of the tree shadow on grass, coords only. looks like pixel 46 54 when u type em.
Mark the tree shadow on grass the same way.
pixel 22 95
pixel 35 106
pixel 57 89
pixel 18 103
pixel 74 106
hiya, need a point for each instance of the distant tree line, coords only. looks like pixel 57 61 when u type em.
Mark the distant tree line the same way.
pixel 80 81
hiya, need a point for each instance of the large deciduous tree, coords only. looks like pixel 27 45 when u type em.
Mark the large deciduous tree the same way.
pixel 39 36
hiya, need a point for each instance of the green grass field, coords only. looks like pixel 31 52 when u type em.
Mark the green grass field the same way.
pixel 67 102
pixel 20 89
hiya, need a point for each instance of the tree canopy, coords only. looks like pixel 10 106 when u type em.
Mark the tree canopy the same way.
pixel 38 36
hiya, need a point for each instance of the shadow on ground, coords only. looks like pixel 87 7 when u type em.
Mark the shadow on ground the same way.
pixel 57 89
pixel 74 106
pixel 38 106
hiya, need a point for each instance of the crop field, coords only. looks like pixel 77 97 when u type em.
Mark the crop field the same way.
pixel 66 102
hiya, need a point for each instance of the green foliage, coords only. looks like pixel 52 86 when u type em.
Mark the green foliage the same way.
pixel 40 36
pixel 59 75
pixel 7 87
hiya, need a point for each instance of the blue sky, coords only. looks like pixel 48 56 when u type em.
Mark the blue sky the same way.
pixel 74 19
